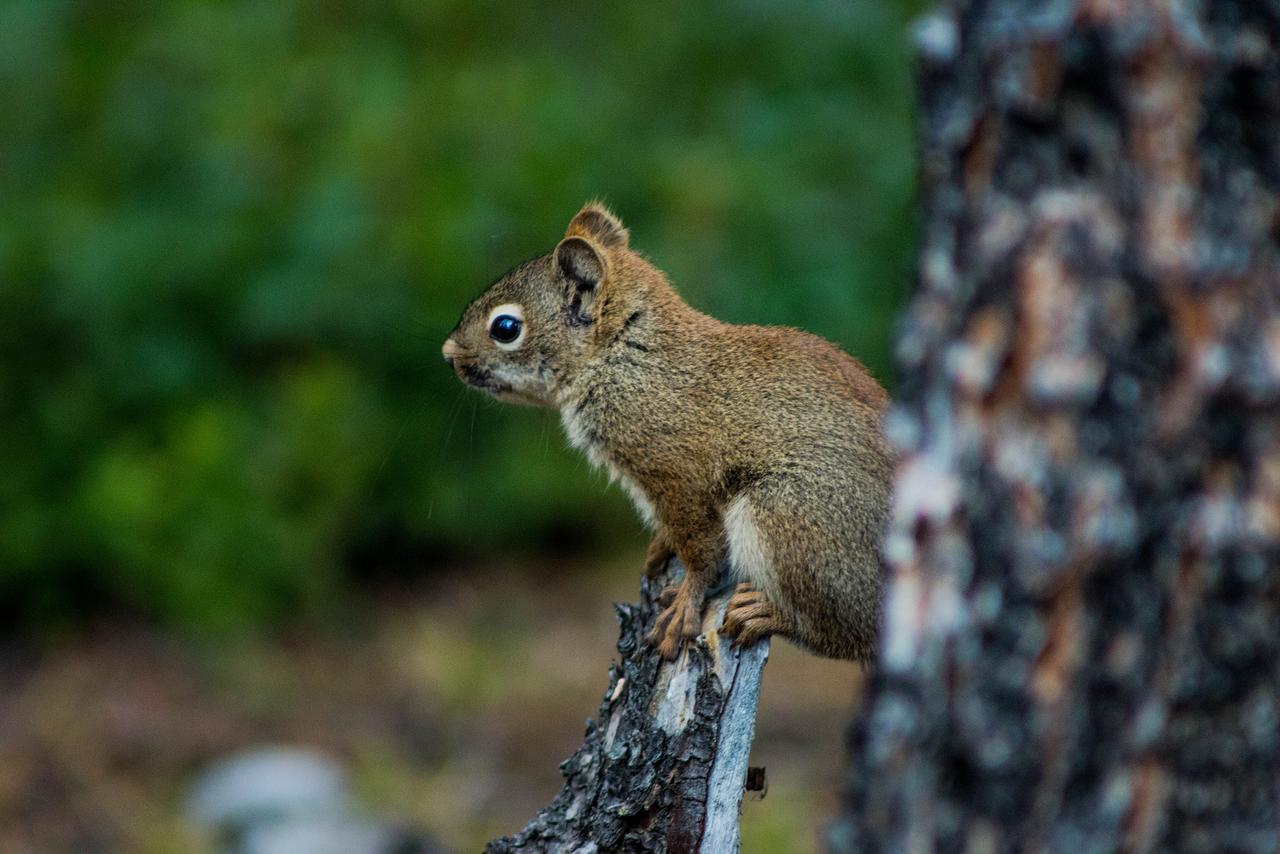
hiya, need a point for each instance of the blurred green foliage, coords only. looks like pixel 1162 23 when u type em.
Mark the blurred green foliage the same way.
pixel 234 235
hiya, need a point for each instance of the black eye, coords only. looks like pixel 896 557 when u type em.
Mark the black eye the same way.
pixel 505 328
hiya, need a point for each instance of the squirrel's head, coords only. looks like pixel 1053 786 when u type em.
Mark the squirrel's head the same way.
pixel 533 326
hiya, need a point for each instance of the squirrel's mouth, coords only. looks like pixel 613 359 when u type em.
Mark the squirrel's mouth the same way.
pixel 483 379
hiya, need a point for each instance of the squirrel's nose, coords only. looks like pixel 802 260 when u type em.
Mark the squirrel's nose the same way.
pixel 450 350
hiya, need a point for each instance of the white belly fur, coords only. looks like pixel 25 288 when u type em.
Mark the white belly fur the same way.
pixel 748 552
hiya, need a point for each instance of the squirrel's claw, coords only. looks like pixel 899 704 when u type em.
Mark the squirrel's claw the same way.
pixel 750 617
pixel 679 622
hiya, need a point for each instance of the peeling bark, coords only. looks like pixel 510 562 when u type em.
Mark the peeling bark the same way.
pixel 1081 649
pixel 663 764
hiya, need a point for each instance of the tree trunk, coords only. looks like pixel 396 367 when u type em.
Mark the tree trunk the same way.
pixel 663 765
pixel 1081 649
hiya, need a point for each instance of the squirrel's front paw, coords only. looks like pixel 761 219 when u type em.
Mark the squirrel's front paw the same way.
pixel 681 621
pixel 655 560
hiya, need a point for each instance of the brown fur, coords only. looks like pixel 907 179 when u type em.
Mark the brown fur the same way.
pixel 762 439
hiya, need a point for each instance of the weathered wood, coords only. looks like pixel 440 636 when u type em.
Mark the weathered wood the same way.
pixel 1081 649
pixel 663 764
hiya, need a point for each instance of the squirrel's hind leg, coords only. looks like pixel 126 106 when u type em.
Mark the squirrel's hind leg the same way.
pixel 819 584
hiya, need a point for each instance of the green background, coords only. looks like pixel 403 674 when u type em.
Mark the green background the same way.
pixel 234 235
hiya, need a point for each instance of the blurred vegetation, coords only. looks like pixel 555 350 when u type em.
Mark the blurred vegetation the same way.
pixel 234 235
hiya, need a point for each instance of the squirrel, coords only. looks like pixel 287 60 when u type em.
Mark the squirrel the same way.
pixel 760 444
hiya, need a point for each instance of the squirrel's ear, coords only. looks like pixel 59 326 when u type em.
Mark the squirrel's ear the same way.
pixel 583 269
pixel 599 223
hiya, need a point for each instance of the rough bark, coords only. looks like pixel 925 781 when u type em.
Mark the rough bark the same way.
pixel 1081 649
pixel 663 764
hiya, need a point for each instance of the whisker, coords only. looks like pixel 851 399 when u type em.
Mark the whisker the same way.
pixel 471 443
pixel 453 418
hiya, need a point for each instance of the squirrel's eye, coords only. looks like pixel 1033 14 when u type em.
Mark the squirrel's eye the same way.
pixel 505 328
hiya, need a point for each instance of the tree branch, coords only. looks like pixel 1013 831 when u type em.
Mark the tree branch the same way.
pixel 663 764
